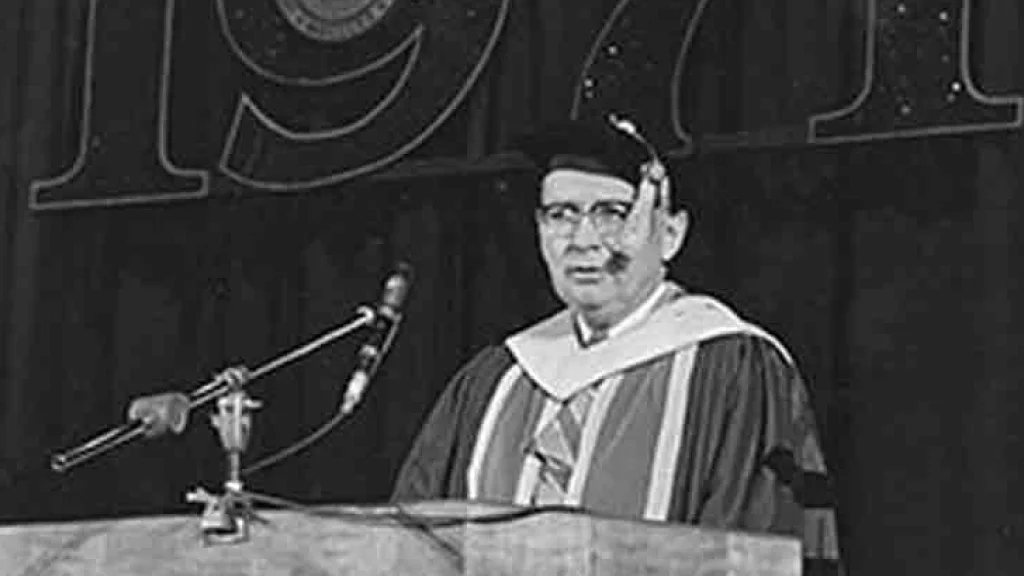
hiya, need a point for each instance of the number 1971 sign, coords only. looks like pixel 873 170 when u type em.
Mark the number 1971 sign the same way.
pixel 340 89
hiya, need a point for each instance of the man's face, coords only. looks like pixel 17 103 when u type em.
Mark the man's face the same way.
pixel 598 268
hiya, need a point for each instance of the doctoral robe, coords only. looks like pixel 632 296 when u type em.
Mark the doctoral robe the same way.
pixel 702 418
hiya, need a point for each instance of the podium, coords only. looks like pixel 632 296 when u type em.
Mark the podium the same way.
pixel 423 538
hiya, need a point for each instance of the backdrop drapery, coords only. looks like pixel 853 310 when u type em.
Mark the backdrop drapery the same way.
pixel 891 269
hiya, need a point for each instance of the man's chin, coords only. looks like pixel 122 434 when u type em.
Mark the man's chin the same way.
pixel 588 297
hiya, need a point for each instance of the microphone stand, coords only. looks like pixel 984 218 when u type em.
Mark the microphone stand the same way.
pixel 225 518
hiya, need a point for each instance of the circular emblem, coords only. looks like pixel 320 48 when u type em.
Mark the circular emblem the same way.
pixel 334 20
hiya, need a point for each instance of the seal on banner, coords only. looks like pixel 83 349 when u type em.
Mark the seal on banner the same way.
pixel 334 20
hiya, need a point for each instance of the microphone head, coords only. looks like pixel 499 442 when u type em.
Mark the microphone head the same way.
pixel 396 287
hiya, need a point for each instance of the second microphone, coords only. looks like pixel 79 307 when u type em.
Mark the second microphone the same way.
pixel 386 319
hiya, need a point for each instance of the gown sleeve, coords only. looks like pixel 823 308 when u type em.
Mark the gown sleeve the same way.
pixel 436 464
pixel 752 457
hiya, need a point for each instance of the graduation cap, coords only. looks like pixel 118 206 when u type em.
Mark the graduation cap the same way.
pixel 611 145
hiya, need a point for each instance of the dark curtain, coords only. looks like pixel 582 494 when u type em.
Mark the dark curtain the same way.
pixel 889 268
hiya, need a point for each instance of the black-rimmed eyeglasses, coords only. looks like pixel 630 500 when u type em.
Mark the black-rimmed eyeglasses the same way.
pixel 606 216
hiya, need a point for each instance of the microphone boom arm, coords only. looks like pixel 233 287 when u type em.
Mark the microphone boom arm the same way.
pixel 216 388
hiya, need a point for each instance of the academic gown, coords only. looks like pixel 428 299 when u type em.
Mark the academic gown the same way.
pixel 746 458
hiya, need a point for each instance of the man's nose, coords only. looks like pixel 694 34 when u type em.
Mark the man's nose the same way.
pixel 585 233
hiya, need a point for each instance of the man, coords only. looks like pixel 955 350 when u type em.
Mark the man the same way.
pixel 638 399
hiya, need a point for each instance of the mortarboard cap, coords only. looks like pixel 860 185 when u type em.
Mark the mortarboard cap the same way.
pixel 592 144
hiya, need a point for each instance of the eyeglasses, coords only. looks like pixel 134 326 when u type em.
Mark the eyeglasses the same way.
pixel 562 218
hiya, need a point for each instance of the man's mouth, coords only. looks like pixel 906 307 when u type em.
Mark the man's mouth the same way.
pixel 585 273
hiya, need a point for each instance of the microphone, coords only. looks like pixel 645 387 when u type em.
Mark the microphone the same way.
pixel 386 318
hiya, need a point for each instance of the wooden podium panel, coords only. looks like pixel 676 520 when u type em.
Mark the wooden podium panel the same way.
pixel 427 538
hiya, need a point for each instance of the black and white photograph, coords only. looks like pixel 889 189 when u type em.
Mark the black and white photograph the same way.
pixel 511 287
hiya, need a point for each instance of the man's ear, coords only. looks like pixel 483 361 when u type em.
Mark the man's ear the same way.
pixel 673 234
